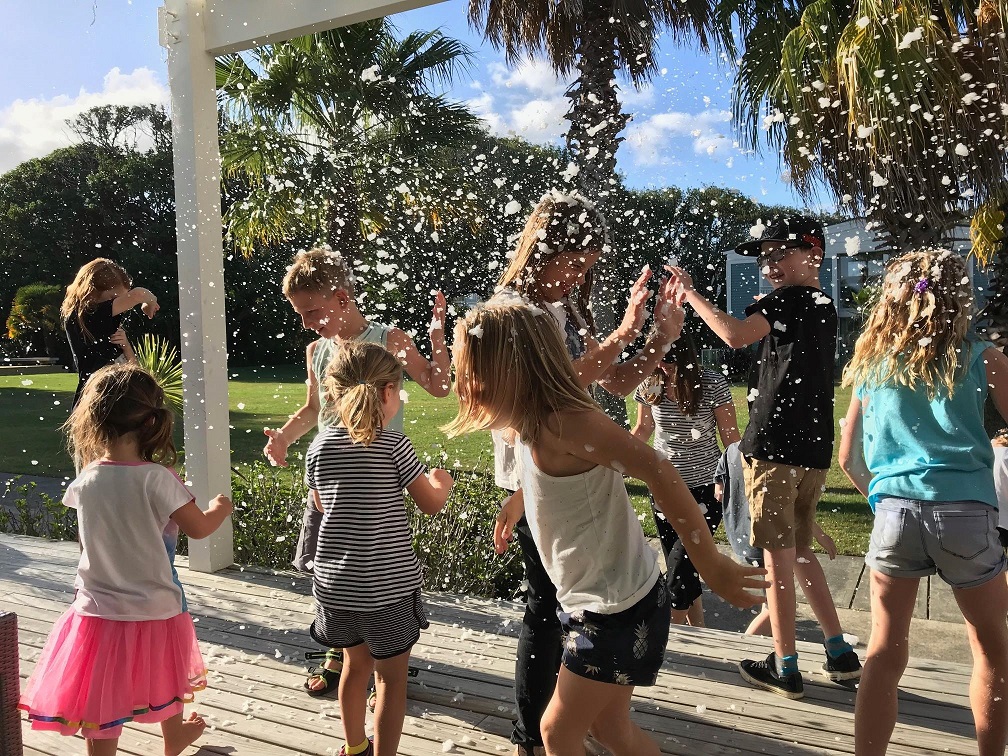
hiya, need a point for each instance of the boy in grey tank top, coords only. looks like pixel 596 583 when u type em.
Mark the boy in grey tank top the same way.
pixel 320 287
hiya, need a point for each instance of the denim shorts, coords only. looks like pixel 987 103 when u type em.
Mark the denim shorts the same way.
pixel 626 648
pixel 958 540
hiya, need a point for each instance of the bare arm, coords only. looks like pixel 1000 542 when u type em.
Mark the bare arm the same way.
pixel 138 296
pixel 317 500
pixel 645 423
pixel 727 424
pixel 851 453
pixel 512 509
pixel 615 448
pixel 433 375
pixel 299 423
pixel 121 340
pixel 996 364
pixel 196 523
pixel 430 491
pixel 732 331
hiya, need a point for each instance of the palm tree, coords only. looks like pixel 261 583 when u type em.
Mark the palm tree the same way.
pixel 896 108
pixel 324 129
pixel 597 39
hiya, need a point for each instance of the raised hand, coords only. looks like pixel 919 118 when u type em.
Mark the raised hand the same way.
pixel 681 280
pixel 636 312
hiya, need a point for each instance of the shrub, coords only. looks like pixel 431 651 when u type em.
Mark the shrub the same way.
pixel 34 319
pixel 161 360
pixel 35 513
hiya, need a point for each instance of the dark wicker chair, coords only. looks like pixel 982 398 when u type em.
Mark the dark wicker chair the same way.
pixel 10 687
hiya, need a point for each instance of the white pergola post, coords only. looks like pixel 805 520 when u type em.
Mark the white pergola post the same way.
pixel 198 227
pixel 194 31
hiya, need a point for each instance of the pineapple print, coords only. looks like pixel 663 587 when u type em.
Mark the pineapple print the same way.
pixel 570 642
pixel 578 615
pixel 591 669
pixel 640 645
pixel 621 678
pixel 590 629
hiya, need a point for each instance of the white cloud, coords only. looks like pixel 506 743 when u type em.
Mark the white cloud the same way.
pixel 33 128
pixel 648 141
pixel 527 101
pixel 535 76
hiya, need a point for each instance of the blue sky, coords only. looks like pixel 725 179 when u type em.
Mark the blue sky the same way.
pixel 64 57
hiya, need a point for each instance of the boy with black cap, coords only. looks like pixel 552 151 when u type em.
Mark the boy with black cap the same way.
pixel 788 445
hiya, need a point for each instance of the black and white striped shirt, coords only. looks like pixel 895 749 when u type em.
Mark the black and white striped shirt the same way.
pixel 691 443
pixel 365 558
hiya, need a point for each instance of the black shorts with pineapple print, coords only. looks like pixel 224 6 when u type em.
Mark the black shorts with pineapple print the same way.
pixel 626 648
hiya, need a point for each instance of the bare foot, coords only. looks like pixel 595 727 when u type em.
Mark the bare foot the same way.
pixel 179 735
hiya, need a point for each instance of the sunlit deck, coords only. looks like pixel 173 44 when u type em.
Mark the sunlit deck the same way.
pixel 252 627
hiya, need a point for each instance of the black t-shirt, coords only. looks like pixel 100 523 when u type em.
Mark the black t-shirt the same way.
pixel 90 355
pixel 791 384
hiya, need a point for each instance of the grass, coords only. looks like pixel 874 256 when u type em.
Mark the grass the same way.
pixel 36 405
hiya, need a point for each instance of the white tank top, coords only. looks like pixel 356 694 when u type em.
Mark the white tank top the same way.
pixel 589 537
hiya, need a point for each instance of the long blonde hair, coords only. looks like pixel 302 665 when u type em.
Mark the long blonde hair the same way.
pixel 92 280
pixel 511 370
pixel 559 223
pixel 117 400
pixel 354 384
pixel 915 332
pixel 318 270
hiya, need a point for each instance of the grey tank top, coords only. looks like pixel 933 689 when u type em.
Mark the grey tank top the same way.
pixel 375 333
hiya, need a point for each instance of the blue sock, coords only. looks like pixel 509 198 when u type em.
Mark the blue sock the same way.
pixel 786 665
pixel 837 646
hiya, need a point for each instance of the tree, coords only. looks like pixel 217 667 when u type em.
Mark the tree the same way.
pixel 34 319
pixel 896 108
pixel 320 129
pixel 597 38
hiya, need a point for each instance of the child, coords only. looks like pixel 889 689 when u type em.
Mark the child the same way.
pixel 552 267
pixel 914 444
pixel 93 310
pixel 367 578
pixel 320 288
pixel 513 371
pixel 788 444
pixel 687 407
pixel 729 489
pixel 126 649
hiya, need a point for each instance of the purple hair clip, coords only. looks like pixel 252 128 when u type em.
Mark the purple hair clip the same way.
pixel 921 286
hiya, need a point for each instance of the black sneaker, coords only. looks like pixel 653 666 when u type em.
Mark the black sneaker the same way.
pixel 763 674
pixel 847 666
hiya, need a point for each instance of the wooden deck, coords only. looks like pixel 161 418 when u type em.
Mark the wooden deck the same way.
pixel 252 628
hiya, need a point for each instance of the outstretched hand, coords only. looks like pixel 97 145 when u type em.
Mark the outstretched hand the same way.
pixel 736 582
pixel 669 314
pixel 680 279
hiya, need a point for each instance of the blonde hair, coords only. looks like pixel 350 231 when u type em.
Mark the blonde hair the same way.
pixel 94 278
pixel 318 270
pixel 117 400
pixel 512 369
pixel 915 331
pixel 354 383
pixel 559 223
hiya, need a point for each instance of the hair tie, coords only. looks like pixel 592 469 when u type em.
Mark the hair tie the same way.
pixel 922 285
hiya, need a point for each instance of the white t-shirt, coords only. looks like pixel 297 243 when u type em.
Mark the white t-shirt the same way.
pixel 588 536
pixel 127 540
pixel 1001 484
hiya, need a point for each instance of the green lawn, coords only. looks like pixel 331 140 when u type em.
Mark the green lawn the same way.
pixel 36 405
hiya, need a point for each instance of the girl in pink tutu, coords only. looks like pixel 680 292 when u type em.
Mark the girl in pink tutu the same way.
pixel 126 649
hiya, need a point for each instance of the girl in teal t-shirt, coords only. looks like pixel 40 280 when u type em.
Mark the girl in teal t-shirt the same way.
pixel 914 444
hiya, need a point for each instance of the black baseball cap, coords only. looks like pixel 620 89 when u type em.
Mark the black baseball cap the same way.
pixel 799 230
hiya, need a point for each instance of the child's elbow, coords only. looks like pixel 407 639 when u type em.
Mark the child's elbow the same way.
pixel 736 340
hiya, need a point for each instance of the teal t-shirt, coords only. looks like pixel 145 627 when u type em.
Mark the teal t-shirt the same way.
pixel 931 450
pixel 375 333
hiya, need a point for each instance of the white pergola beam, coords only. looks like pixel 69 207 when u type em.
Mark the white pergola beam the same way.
pixel 192 80
pixel 232 25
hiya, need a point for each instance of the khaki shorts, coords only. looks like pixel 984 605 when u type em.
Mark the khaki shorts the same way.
pixel 782 502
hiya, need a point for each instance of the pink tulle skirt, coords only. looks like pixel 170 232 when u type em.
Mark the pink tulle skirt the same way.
pixel 95 674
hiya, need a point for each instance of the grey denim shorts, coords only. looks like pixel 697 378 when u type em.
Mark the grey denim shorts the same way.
pixel 958 540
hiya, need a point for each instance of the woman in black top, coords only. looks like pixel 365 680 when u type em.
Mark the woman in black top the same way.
pixel 93 310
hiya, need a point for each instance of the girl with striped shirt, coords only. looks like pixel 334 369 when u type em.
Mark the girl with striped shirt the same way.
pixel 687 407
pixel 366 577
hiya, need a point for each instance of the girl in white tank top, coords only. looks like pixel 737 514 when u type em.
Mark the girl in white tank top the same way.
pixel 514 373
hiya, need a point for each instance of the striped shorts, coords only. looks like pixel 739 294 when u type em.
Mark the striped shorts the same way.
pixel 389 631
